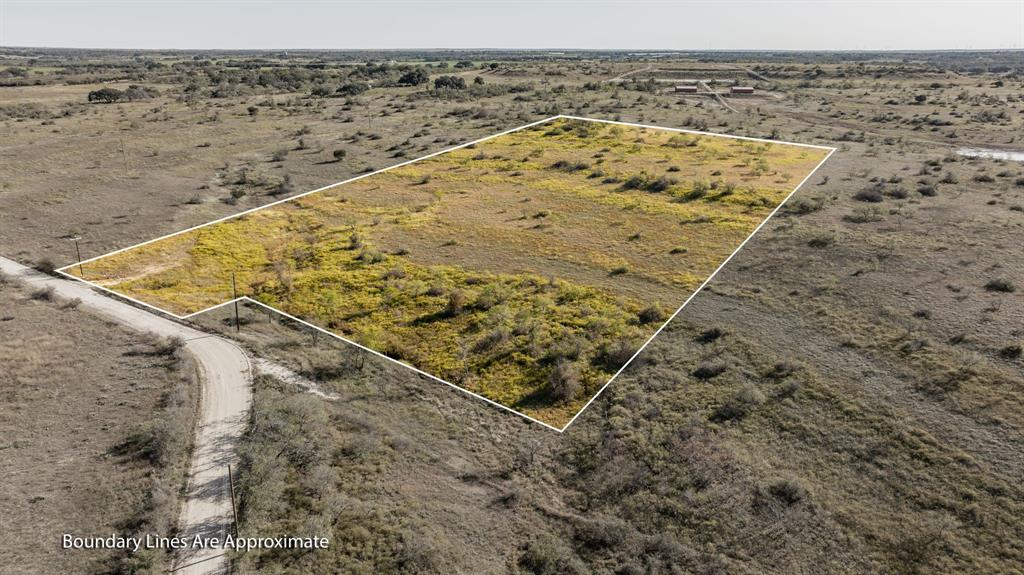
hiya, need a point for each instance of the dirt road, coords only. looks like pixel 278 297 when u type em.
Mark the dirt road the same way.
pixel 717 96
pixel 621 77
pixel 226 398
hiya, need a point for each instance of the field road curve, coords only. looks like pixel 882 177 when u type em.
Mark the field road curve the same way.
pixel 226 377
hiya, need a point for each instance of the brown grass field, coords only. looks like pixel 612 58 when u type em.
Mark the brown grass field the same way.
pixel 94 441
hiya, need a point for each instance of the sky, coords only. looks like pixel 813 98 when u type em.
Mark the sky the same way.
pixel 522 24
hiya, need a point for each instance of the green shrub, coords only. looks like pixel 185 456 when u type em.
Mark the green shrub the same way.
pixel 1001 285
pixel 709 370
pixel 371 256
pixel 456 303
pixel 635 182
pixel 414 77
pixel 790 491
pixel 651 314
pixel 355 241
pixel 804 206
pixel 564 381
pixel 548 556
pixel 1013 351
pixel 740 404
pixel 284 187
pixel 864 215
pixel 46 266
pixel 698 191
pixel 612 356
pixel 449 83
pixel 710 335
pixel 661 184
pixel 168 345
pixel 868 195
pixel 822 240
pixel 353 88
pixel 44 294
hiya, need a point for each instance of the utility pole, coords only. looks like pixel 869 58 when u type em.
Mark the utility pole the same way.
pixel 78 252
pixel 234 296
pixel 124 156
pixel 234 510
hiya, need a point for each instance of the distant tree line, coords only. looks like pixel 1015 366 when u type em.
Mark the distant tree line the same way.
pixel 14 72
pixel 17 76
pixel 203 76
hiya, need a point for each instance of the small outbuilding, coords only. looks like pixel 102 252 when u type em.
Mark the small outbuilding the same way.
pixel 687 88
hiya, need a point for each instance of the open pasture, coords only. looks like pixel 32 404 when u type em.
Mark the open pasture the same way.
pixel 527 268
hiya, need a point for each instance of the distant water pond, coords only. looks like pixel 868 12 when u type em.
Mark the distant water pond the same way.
pixel 991 154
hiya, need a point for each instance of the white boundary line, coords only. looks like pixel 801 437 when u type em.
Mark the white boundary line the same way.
pixel 831 150
pixel 304 194
pixel 697 132
pixel 401 363
pixel 701 287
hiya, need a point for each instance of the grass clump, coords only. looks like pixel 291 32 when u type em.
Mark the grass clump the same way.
pixel 651 314
pixel 44 294
pixel 739 404
pixel 564 381
pixel 709 370
pixel 1000 285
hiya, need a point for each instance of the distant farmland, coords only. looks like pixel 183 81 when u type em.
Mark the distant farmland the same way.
pixel 527 268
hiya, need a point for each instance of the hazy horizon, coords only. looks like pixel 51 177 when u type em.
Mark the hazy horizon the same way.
pixel 645 25
pixel 539 49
